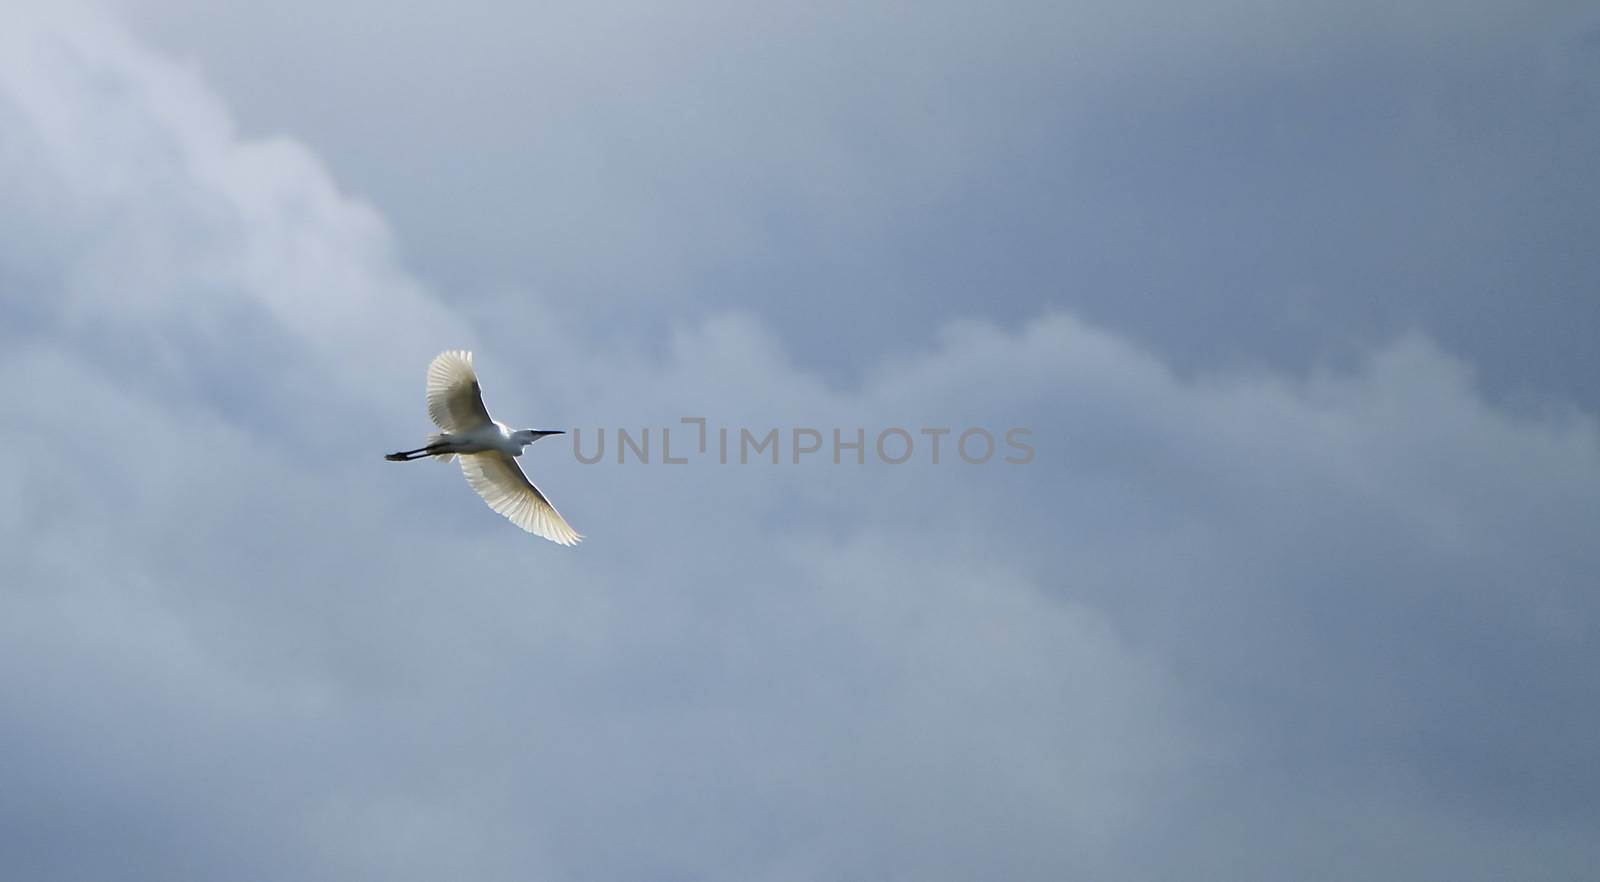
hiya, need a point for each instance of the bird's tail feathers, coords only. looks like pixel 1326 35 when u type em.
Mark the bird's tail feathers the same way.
pixel 441 457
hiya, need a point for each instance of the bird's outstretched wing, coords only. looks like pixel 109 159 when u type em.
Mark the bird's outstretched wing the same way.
pixel 455 403
pixel 508 491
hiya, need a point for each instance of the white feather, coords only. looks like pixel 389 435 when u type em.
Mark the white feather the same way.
pixel 508 491
pixel 455 402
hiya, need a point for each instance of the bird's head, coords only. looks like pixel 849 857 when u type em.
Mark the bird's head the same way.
pixel 528 436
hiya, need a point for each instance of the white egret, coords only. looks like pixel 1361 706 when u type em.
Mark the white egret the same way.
pixel 486 448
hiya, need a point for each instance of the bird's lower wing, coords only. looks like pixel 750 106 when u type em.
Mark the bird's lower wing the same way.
pixel 508 491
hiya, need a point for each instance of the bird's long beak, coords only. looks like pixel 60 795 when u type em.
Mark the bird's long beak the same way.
pixel 546 432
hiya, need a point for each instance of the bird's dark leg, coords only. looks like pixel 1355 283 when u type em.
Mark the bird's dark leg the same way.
pixel 408 455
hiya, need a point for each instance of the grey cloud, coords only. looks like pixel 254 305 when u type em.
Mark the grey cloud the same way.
pixel 1227 625
pixel 1236 183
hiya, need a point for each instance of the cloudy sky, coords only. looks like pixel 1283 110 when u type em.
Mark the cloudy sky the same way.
pixel 1298 302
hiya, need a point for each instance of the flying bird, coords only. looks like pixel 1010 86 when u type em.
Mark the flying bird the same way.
pixel 486 448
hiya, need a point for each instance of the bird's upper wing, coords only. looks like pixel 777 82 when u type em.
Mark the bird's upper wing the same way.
pixel 455 404
pixel 508 491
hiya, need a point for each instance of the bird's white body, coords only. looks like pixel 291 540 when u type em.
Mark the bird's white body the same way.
pixel 486 448
pixel 494 437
